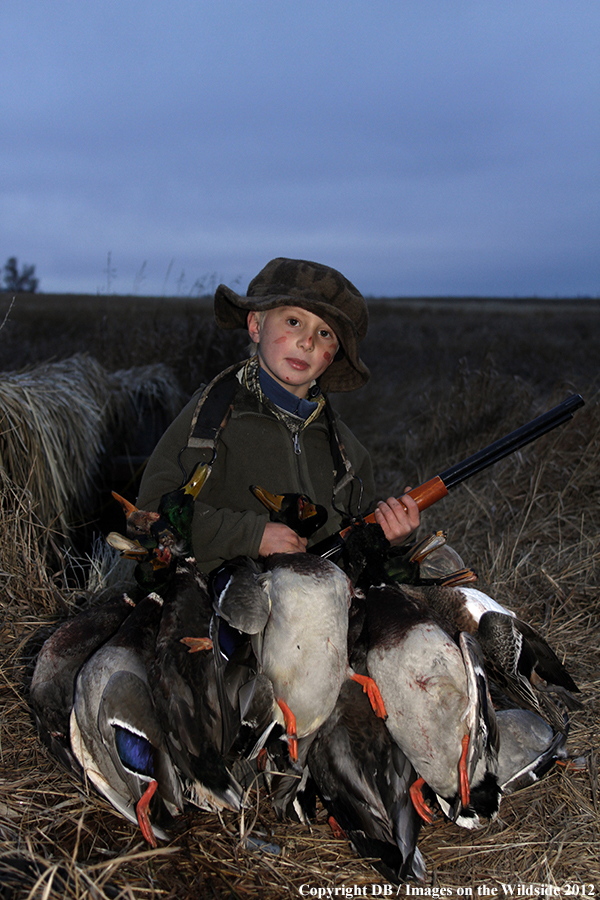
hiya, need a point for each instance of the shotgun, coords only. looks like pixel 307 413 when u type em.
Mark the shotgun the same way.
pixel 433 490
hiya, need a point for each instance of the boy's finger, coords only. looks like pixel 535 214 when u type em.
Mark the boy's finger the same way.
pixel 409 503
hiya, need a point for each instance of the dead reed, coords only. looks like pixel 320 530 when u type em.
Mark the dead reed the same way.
pixel 530 526
pixel 58 423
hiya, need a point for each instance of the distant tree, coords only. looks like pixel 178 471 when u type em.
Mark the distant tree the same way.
pixel 19 283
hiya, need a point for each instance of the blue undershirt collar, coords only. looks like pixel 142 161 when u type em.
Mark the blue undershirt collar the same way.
pixel 285 399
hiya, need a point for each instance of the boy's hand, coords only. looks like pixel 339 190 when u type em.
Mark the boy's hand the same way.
pixel 398 518
pixel 278 538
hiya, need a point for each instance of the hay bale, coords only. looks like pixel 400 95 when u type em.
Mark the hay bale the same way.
pixel 26 585
pixel 59 421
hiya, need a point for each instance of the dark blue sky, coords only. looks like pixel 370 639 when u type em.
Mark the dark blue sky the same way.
pixel 426 147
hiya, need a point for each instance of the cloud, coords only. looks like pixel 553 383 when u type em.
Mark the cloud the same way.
pixel 422 148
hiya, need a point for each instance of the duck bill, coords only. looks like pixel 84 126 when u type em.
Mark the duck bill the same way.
pixel 127 548
pixel 271 501
pixel 306 509
pixel 128 507
pixel 196 482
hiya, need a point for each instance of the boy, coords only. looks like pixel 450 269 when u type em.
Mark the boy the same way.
pixel 267 422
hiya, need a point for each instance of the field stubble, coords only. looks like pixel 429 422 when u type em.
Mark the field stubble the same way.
pixel 446 381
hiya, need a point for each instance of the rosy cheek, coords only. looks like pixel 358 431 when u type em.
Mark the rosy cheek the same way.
pixel 327 356
pixel 280 340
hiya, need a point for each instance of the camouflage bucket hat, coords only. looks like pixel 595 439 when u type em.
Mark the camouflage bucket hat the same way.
pixel 319 289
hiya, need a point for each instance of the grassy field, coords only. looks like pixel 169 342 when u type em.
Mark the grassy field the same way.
pixel 420 342
pixel 449 376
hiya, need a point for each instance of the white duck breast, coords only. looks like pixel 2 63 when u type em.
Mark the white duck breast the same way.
pixel 303 648
pixel 424 687
pixel 438 705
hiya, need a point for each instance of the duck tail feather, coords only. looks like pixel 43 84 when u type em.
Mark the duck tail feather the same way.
pixel 485 735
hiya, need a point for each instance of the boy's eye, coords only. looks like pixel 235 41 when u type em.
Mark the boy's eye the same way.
pixel 292 321
pixel 325 334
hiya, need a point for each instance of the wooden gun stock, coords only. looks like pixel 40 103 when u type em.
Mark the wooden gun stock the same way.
pixel 433 490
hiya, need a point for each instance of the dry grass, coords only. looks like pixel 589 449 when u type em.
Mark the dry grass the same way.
pixel 120 332
pixel 530 526
pixel 58 423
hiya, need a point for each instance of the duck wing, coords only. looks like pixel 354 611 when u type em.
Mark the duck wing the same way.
pixel 546 663
pixel 59 660
pixel 529 747
pixel 132 735
pixel 484 736
pixel 240 591
pixel 363 780
pixel 114 723
pixel 184 686
pixel 106 779
pixel 241 605
pixel 515 654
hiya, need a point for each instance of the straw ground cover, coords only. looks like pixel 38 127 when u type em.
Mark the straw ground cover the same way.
pixel 530 528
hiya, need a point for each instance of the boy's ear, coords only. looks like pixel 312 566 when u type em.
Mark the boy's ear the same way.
pixel 253 324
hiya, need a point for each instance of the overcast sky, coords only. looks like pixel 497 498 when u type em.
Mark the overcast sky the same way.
pixel 423 147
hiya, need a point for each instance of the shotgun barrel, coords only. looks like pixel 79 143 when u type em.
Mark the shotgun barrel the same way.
pixel 437 487
pixel 427 494
pixel 513 441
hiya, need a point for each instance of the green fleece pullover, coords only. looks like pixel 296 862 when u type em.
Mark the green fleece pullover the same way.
pixel 254 448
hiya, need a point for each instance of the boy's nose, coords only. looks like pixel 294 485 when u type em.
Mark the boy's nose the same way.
pixel 306 341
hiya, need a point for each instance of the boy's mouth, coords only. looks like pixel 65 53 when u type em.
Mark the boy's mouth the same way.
pixel 299 364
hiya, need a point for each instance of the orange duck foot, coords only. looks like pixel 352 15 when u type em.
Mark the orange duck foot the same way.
pixel 416 795
pixel 290 726
pixel 573 764
pixel 336 829
pixel 195 644
pixel 372 691
pixel 262 760
pixel 142 808
pixel 465 790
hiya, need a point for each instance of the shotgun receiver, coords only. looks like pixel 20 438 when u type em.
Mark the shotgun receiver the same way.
pixel 433 490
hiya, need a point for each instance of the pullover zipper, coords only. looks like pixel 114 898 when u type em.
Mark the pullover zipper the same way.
pixel 296 442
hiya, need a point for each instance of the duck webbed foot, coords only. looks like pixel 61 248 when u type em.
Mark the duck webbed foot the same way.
pixel 290 727
pixel 196 644
pixel 142 808
pixel 336 829
pixel 465 790
pixel 416 795
pixel 372 692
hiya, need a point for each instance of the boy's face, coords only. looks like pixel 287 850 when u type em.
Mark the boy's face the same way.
pixel 294 346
